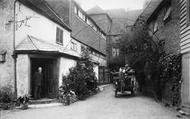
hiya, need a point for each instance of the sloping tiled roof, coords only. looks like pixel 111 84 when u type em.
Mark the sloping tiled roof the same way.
pixel 149 10
pixel 86 36
pixel 42 7
pixel 120 18
pixel 61 7
pixel 102 21
pixel 95 10
pixel 31 43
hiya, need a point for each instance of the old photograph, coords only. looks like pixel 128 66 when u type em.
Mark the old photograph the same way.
pixel 94 59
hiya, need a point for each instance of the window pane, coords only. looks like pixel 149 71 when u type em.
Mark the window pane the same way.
pixel 61 36
pixel 57 35
pixel 75 10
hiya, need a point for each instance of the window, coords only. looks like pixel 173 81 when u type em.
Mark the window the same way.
pixel 81 15
pixel 168 10
pixel 76 10
pixel 88 21
pixel 168 13
pixel 155 26
pixel 59 36
pixel 95 28
pixel 115 52
pixel 104 37
pixel 83 48
pixel 73 46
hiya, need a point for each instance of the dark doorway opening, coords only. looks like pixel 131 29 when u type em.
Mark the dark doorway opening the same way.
pixel 49 87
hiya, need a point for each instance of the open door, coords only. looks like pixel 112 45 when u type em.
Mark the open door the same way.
pixel 49 87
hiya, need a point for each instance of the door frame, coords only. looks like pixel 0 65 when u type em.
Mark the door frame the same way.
pixel 55 67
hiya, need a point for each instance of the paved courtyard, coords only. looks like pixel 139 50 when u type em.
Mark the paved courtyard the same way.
pixel 101 106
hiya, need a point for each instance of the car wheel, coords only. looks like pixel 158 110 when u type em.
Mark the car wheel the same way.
pixel 116 94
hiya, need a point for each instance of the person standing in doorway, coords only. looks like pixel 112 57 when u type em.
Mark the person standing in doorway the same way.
pixel 38 77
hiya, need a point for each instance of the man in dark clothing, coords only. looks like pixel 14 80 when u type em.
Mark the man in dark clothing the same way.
pixel 38 77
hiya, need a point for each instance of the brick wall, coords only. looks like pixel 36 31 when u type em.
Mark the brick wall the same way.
pixel 6 43
pixel 168 31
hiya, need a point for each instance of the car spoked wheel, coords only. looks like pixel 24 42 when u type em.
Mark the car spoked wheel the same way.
pixel 135 88
pixel 116 93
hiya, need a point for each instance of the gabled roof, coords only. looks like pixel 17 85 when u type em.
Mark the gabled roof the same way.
pixel 43 8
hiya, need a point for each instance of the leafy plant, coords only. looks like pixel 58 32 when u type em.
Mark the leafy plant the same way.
pixel 82 79
pixel 171 75
pixel 6 97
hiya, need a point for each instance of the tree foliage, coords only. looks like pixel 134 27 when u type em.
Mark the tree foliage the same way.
pixel 157 71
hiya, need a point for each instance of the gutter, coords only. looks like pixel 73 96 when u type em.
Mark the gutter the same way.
pixel 14 54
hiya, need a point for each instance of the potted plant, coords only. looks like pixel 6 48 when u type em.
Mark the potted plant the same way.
pixel 23 101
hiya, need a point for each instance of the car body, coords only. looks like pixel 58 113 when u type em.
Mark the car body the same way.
pixel 126 83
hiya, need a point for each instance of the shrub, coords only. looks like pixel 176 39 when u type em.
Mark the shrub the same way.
pixel 6 95
pixel 6 98
pixel 82 79
pixel 170 78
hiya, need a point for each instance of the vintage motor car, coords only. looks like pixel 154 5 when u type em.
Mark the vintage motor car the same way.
pixel 126 84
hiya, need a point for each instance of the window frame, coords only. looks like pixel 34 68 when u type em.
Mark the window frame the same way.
pixel 155 26
pixel 167 13
pixel 115 52
pixel 59 36
pixel 74 46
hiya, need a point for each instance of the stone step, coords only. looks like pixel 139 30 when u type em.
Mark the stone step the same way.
pixel 42 101
pixel 34 106
pixel 185 110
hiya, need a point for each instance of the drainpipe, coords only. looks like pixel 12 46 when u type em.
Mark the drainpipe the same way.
pixel 14 54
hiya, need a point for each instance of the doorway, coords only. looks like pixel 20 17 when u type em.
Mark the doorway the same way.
pixel 49 87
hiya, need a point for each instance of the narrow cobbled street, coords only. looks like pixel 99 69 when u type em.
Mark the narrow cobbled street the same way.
pixel 101 106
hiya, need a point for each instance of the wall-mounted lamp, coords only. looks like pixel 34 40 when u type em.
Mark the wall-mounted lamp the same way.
pixel 3 56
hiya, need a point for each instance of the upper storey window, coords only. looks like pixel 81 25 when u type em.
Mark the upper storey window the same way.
pixel 59 36
pixel 79 13
pixel 168 10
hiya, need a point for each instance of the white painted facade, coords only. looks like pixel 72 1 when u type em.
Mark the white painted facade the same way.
pixel 44 29
pixel 65 64
pixel 185 51
pixel 23 75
